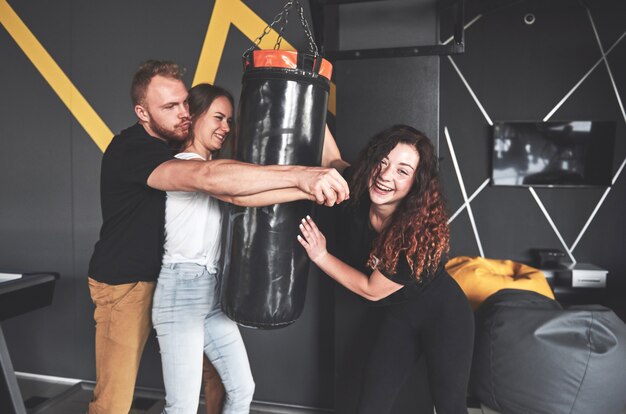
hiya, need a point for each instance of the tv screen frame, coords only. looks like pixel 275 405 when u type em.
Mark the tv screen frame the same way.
pixel 552 154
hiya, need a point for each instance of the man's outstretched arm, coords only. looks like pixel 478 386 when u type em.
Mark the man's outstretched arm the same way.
pixel 234 178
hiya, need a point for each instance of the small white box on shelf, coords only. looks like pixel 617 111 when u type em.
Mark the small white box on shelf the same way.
pixel 587 275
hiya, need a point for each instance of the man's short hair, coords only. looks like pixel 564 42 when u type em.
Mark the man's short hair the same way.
pixel 148 70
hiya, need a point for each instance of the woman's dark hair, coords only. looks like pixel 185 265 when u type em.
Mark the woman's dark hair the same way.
pixel 419 226
pixel 200 99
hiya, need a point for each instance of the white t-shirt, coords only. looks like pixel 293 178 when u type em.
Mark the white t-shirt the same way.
pixel 193 223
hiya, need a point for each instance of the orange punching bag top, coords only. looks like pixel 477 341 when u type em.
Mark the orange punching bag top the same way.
pixel 286 59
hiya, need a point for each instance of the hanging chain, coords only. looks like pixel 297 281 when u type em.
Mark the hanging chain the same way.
pixel 284 14
pixel 270 26
pixel 282 28
pixel 307 31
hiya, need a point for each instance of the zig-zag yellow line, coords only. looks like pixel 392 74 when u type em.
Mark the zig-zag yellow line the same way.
pixel 225 13
pixel 54 75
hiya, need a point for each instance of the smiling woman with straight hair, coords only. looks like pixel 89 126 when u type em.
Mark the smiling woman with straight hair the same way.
pixel 186 310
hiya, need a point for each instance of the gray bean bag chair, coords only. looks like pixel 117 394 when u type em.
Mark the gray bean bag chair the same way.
pixel 533 356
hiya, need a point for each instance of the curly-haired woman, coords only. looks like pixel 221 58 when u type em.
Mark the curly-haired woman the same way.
pixel 397 233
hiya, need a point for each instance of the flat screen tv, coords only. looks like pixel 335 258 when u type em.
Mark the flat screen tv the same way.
pixel 553 154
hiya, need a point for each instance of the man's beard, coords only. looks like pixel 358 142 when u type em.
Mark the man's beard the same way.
pixel 176 134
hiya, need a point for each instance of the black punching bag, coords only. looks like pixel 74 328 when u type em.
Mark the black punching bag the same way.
pixel 281 120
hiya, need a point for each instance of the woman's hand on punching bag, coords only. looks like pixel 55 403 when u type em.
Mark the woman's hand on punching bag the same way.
pixel 325 184
pixel 312 240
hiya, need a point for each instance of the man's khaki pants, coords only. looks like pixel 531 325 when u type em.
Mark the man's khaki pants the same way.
pixel 123 322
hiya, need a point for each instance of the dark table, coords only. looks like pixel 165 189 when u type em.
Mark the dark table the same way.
pixel 18 296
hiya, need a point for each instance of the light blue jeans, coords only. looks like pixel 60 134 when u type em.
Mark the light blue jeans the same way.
pixel 187 317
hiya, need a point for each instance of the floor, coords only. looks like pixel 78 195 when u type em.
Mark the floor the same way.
pixel 65 397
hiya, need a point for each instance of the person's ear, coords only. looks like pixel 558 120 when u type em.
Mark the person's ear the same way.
pixel 142 113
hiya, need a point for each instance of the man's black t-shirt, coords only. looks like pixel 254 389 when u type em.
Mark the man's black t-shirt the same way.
pixel 130 248
pixel 356 239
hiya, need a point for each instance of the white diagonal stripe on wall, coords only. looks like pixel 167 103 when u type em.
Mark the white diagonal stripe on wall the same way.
pixel 556 231
pixel 566 97
pixel 468 24
pixel 595 210
pixel 585 76
pixel 619 171
pixel 470 213
pixel 472 197
pixel 590 219
pixel 471 91
pixel 606 62
pixel 608 190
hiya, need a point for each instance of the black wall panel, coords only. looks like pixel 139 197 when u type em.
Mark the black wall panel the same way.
pixel 374 94
pixel 521 72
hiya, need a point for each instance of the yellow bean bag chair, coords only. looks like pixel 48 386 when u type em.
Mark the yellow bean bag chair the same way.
pixel 480 278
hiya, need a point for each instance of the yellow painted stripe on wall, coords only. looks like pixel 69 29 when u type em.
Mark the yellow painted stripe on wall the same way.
pixel 225 13
pixel 214 43
pixel 52 73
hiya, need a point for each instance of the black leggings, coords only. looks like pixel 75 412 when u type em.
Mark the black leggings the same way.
pixel 438 323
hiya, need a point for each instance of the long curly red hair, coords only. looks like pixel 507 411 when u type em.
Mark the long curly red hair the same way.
pixel 419 226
